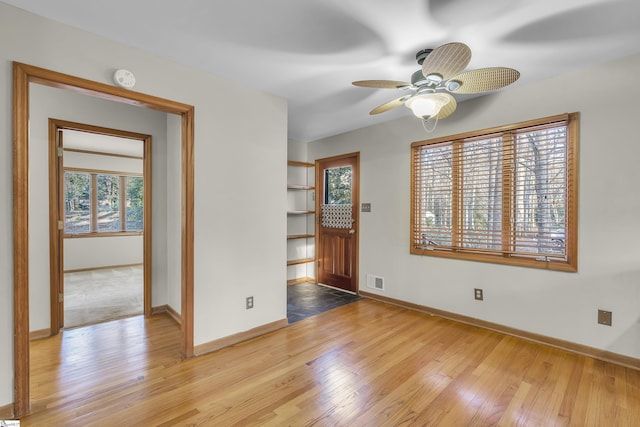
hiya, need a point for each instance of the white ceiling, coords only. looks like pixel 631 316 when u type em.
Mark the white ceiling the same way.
pixel 309 51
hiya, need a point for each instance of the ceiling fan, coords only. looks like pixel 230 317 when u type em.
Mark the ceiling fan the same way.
pixel 441 75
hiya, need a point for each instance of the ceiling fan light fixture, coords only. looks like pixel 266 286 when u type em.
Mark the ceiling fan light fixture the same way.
pixel 427 105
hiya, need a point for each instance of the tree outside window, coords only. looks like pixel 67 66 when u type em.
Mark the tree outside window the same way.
pixel 338 185
pixel 77 202
pixel 506 195
pixel 96 203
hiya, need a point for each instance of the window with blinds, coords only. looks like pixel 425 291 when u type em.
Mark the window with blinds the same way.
pixel 506 195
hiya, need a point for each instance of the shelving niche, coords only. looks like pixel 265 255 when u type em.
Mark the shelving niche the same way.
pixel 300 222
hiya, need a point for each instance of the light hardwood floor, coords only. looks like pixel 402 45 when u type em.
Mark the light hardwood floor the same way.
pixel 363 364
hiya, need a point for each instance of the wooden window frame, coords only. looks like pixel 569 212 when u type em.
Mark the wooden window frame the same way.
pixel 94 232
pixel 568 263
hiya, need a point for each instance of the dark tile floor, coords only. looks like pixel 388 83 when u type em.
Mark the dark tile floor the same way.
pixel 307 299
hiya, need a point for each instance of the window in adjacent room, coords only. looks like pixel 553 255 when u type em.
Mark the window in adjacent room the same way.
pixel 102 202
pixel 506 195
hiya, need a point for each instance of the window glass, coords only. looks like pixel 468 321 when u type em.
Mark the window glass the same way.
pixel 482 194
pixel 338 186
pixel 134 204
pixel 108 187
pixel 436 186
pixel 540 198
pixel 77 203
pixel 506 195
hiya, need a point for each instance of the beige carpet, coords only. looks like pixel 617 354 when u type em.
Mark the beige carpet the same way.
pixel 100 295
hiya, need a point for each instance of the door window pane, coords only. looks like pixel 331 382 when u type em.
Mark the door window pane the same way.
pixel 337 186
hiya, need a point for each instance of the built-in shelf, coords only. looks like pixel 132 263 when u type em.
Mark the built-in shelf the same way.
pixel 300 261
pixel 296 242
pixel 300 187
pixel 300 212
pixel 297 163
pixel 300 236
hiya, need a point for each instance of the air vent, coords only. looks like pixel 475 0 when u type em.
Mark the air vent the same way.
pixel 375 282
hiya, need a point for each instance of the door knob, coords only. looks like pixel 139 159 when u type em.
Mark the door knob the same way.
pixel 352 231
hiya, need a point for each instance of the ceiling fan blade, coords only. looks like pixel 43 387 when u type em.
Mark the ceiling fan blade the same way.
pixel 449 108
pixel 447 60
pixel 381 84
pixel 485 79
pixel 390 105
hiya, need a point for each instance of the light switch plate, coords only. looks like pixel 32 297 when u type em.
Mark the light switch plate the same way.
pixel 366 207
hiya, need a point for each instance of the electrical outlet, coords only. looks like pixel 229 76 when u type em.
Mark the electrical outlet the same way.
pixel 478 294
pixel 249 302
pixel 604 317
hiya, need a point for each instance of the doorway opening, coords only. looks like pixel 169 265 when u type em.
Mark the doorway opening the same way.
pixel 23 76
pixel 100 230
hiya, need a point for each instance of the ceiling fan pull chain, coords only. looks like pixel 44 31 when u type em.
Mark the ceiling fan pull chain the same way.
pixel 430 124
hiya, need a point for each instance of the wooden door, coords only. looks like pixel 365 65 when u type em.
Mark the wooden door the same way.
pixel 337 201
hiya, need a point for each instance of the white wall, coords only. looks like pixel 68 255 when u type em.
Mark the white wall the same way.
pixel 554 304
pixel 173 213
pixel 92 252
pixel 240 197
pixel 48 103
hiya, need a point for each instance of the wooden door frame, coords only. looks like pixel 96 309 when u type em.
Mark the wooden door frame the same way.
pixel 23 75
pixel 356 212
pixel 56 211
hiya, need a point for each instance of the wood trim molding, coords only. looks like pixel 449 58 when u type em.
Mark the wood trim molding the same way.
pixel 301 280
pixel 166 309
pixel 39 334
pixel 174 314
pixel 299 163
pixel 159 309
pixel 239 337
pixel 56 241
pixel 187 245
pixel 607 356
pixel 103 234
pixel 101 171
pixel 23 76
pixel 106 267
pixel 101 153
pixel 21 239
pixel 6 412
pixel 147 184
